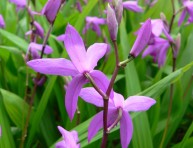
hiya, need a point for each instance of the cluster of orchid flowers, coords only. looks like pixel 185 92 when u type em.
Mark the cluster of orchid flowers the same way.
pixel 83 61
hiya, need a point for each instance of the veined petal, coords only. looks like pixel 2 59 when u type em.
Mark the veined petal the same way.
pixel 75 48
pixel 60 66
pixel 101 80
pixel 90 95
pixel 72 93
pixel 47 49
pixel 19 3
pixel 142 38
pixel 133 6
pixel 61 37
pixel 138 103
pixel 163 53
pixel 126 129
pixel 94 53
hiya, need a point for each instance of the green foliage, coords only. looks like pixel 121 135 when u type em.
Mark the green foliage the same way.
pixel 139 77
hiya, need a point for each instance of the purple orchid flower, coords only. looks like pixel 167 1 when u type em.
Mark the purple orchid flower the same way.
pixel 158 50
pixel 158 47
pixel 51 9
pixel 82 62
pixel 19 3
pixel 70 139
pixel 94 23
pixel 188 8
pixel 2 22
pixel 133 6
pixel 118 111
pixel 33 49
pixel 38 30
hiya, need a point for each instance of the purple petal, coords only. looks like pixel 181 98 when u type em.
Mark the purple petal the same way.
pixel 163 54
pixel 96 28
pixel 94 53
pixel 90 95
pixel 60 66
pixel 182 17
pixel 118 100
pixel 95 125
pixel 138 103
pixel 157 27
pixel 72 93
pixel 19 3
pixel 68 137
pixel 97 122
pixel 133 6
pixel 61 37
pixel 51 9
pixel 2 22
pixel 112 23
pixel 95 20
pixel 47 50
pixel 61 144
pixel 126 129
pixel 101 80
pixel 0 132
pixel 75 48
pixel 142 38
pixel 39 29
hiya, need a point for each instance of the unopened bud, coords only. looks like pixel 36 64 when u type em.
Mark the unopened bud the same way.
pixel 165 23
pixel 118 6
pixel 112 23
pixel 142 39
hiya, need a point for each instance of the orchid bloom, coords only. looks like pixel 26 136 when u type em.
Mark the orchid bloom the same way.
pixel 82 62
pixel 33 49
pixel 188 8
pixel 2 22
pixel 158 47
pixel 133 6
pixel 38 30
pixel 70 139
pixel 51 9
pixel 19 3
pixel 118 111
pixel 94 23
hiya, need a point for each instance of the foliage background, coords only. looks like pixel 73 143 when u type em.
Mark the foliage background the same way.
pixel 141 76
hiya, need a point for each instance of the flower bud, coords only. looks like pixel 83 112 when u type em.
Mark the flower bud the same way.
pixel 2 23
pixel 112 23
pixel 177 44
pixel 118 6
pixel 51 9
pixel 142 39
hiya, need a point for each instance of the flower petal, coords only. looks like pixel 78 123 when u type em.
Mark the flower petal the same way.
pixel 101 80
pixel 72 93
pixel 94 53
pixel 68 138
pixel 138 103
pixel 75 48
pixel 126 129
pixel 36 46
pixel 118 100
pixel 60 66
pixel 133 6
pixel 90 95
pixel 97 122
pixel 142 38
pixel 182 17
